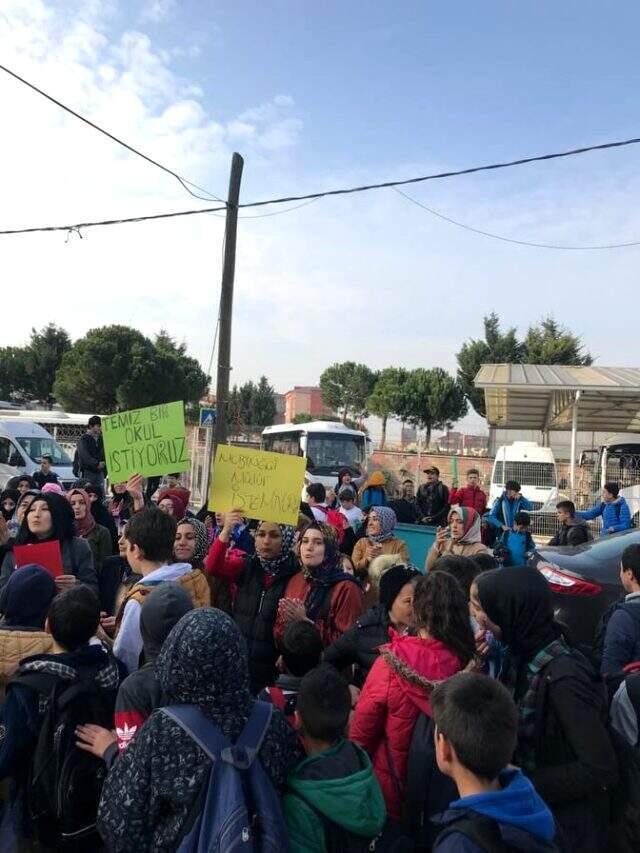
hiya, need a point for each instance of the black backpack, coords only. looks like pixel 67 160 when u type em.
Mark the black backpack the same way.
pixel 625 801
pixel 65 783
pixel 485 832
pixel 428 792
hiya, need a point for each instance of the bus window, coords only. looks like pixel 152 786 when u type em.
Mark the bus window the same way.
pixel 285 442
pixel 328 452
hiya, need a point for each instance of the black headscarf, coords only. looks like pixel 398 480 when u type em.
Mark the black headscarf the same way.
pixel 62 519
pixel 11 494
pixel 518 600
pixel 323 578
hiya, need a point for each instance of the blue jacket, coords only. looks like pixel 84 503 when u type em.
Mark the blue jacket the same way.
pixel 615 515
pixel 505 509
pixel 519 543
pixel 622 636
pixel 373 496
pixel 524 820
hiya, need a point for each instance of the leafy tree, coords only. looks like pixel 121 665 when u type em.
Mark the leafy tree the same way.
pixel 387 398
pixel 433 400
pixel 13 374
pixel 42 358
pixel 346 388
pixel 264 403
pixel 498 347
pixel 551 343
pixel 117 367
pixel 306 418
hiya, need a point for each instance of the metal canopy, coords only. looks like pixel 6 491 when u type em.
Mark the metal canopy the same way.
pixel 553 397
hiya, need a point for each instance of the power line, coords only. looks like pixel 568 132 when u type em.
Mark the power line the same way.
pixel 179 178
pixel 347 191
pixel 275 212
pixel 510 239
pixel 79 225
pixel 439 175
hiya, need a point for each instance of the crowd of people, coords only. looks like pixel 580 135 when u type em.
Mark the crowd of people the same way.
pixel 207 681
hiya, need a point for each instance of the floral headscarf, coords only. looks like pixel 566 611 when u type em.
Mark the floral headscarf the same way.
pixel 388 521
pixel 202 539
pixel 471 524
pixel 272 567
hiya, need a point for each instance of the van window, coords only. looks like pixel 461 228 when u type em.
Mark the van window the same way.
pixel 539 474
pixel 36 448
pixel 7 452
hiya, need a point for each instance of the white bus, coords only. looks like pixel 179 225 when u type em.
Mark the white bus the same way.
pixel 327 446
pixel 532 466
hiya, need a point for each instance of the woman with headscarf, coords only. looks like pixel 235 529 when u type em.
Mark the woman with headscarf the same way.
pixel 48 519
pixel 346 478
pixel 153 789
pixel 379 540
pixel 24 604
pixel 258 583
pixel 8 502
pixel 96 535
pixel 563 745
pixel 463 537
pixel 172 503
pixel 322 592
pixel 373 492
pixel 390 617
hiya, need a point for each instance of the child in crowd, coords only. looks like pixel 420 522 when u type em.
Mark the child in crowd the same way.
pixel 73 619
pixel 333 795
pixel 301 652
pixel 519 541
pixel 348 508
pixel 476 732
pixel 150 537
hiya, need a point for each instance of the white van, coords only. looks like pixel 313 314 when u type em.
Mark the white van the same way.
pixel 22 446
pixel 532 466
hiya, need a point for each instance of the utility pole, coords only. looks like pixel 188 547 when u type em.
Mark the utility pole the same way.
pixel 226 309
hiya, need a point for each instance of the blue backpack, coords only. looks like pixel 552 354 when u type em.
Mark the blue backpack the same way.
pixel 240 809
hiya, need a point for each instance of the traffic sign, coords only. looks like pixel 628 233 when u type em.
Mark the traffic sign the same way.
pixel 207 417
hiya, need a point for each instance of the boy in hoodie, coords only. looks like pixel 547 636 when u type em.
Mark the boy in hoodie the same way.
pixel 476 732
pixel 150 536
pixel 140 693
pixel 614 511
pixel 519 541
pixel 301 652
pixel 72 621
pixel 333 794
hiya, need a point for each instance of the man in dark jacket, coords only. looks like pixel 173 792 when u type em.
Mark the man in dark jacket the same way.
pixel 433 498
pixel 573 531
pixel 406 507
pixel 91 454
pixel 622 636
pixel 151 790
pixel 74 616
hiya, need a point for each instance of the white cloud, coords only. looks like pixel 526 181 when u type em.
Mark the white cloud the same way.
pixel 367 277
pixel 158 11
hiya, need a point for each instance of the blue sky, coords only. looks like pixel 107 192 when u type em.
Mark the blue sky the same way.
pixel 317 95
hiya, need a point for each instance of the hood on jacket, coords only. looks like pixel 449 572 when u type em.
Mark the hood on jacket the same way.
pixel 340 783
pixel 517 806
pixel 92 659
pixel 419 665
pixel 160 611
pixel 167 573
pixel 204 662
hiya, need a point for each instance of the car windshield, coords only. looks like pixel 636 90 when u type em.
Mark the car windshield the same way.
pixel 328 452
pixel 541 475
pixel 36 448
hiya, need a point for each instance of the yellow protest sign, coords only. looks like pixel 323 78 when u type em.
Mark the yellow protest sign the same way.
pixel 262 485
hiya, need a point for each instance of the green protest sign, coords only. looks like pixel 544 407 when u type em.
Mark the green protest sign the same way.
pixel 149 441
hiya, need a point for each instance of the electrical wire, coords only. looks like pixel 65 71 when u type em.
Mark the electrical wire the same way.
pixel 183 181
pixel 439 175
pixel 275 212
pixel 510 239
pixel 315 196
pixel 79 225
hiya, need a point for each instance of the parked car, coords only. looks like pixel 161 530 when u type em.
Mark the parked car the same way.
pixel 22 445
pixel 585 580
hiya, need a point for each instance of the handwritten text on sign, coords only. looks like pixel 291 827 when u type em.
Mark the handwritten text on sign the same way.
pixel 148 441
pixel 262 485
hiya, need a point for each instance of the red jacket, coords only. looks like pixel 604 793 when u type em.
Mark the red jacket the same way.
pixel 470 496
pixel 397 689
pixel 344 608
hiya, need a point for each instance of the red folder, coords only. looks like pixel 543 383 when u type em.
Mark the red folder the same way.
pixel 45 554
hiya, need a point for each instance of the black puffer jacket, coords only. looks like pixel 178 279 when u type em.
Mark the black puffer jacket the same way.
pixel 150 790
pixel 255 609
pixel 359 645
